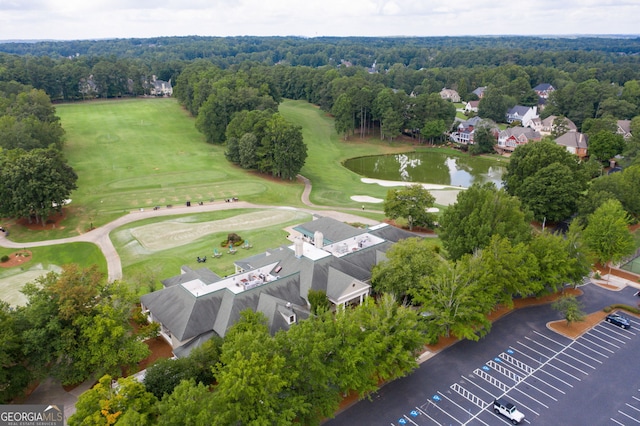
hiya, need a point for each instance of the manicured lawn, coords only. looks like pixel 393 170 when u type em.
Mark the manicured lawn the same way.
pixel 143 267
pixel 43 260
pixel 139 153
pixel 333 184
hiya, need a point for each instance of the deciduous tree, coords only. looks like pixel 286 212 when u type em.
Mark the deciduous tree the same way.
pixel 126 403
pixel 479 213
pixel 75 320
pixel 410 203
pixel 570 308
pixel 408 262
pixel 35 183
pixel 607 235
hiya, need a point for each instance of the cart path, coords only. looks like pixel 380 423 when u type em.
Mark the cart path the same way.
pixel 100 236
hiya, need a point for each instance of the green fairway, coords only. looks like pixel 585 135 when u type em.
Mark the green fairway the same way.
pixel 333 184
pixel 140 153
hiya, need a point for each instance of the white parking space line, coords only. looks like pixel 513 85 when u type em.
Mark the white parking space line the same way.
pixel 636 398
pixel 469 396
pixel 490 379
pixel 632 407
pixel 410 420
pixel 614 420
pixel 517 364
pixel 587 356
pixel 505 371
pixel 592 334
pixel 619 331
pixel 501 369
pixel 559 360
pixel 593 350
pixel 566 354
pixel 549 338
pixel 550 365
pixel 478 386
pixel 522 404
pixel 457 405
pixel 626 415
pixel 548 384
pixel 425 414
pixel 607 332
pixel 554 377
pixel 541 391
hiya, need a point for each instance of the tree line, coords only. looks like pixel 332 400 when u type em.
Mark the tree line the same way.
pixel 35 175
pixel 76 326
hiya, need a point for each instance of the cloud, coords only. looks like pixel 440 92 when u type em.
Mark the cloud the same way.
pixel 82 19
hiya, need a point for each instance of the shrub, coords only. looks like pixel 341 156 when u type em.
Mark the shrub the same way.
pixel 622 306
pixel 4 258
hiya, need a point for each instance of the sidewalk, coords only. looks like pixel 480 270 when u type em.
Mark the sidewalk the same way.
pixel 51 392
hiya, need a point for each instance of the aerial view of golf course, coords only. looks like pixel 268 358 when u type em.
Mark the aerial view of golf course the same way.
pixel 142 161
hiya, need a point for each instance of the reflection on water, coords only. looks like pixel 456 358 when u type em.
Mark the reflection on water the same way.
pixel 429 167
pixel 405 162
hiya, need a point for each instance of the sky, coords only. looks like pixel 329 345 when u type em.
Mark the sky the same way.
pixel 100 19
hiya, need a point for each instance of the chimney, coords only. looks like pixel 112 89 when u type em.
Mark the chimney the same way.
pixel 298 247
pixel 318 239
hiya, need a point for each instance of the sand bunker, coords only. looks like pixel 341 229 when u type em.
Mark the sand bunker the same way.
pixel 174 233
pixel 366 199
pixel 444 194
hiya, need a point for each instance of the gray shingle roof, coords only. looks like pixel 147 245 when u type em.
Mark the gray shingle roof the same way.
pixel 573 140
pixel 332 230
pixel 188 316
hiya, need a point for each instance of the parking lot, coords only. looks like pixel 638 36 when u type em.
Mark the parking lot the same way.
pixel 550 378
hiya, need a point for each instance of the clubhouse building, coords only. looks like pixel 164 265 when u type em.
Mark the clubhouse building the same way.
pixel 326 255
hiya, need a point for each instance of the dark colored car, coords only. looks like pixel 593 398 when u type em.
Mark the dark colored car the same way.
pixel 618 320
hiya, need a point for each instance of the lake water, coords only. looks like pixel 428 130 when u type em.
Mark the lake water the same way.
pixel 429 167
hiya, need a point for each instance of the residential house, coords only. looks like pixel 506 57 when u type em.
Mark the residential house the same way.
pixel 326 255
pixel 547 126
pixel 520 113
pixel 479 92
pixel 511 138
pixel 471 106
pixel 543 90
pixel 450 95
pixel 160 87
pixel 624 129
pixel 575 142
pixel 465 130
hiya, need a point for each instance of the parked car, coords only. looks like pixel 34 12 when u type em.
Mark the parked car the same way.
pixel 507 409
pixel 618 320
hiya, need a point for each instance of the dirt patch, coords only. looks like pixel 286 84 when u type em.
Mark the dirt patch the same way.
pixel 52 222
pixel 16 259
pixel 159 348
pixel 415 230
pixel 574 330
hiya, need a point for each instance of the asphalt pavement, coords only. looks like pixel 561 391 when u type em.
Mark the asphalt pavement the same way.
pixel 451 387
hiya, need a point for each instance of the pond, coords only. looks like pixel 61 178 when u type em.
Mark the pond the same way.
pixel 435 167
